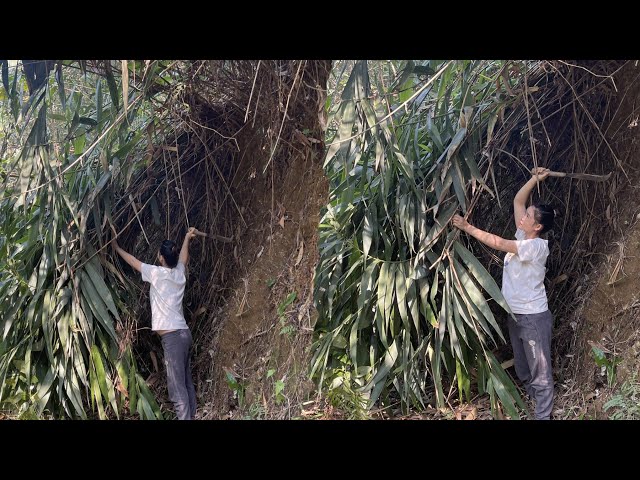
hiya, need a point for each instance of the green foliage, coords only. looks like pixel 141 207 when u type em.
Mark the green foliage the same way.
pixel 607 363
pixel 238 388
pixel 625 404
pixel 29 414
pixel 401 300
pixel 59 350
pixel 286 328
pixel 285 303
pixel 256 411
pixel 278 387
pixel 342 395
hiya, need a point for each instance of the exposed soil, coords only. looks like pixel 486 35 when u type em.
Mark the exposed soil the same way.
pixel 607 316
pixel 278 258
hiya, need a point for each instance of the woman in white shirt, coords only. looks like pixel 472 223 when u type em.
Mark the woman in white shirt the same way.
pixel 167 319
pixel 523 288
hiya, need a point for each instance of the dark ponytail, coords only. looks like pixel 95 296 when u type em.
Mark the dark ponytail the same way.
pixel 169 251
pixel 544 215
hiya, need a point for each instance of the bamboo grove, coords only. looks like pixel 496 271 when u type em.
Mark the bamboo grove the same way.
pixel 406 311
pixel 401 300
pixel 60 348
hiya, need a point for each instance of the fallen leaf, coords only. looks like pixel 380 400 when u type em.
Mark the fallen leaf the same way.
pixel 300 253
pixel 121 389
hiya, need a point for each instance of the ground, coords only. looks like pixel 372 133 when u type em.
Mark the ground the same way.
pixel 279 255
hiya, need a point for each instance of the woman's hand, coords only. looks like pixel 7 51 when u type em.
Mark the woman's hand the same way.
pixel 460 222
pixel 192 232
pixel 540 172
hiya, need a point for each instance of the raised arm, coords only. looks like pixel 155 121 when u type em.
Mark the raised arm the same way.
pixel 184 251
pixel 520 200
pixel 127 257
pixel 489 239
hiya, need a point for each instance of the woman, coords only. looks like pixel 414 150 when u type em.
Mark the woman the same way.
pixel 523 289
pixel 166 293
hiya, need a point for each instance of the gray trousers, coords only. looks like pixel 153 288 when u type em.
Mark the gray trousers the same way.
pixel 531 342
pixel 177 350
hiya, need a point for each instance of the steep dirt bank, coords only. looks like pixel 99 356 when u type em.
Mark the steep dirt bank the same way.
pixel 255 364
pixel 278 262
pixel 607 314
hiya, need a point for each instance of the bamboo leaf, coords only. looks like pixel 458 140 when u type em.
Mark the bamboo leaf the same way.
pixel 98 103
pixel 104 383
pixel 96 397
pixel 456 141
pixel 44 392
pixel 367 234
pixel 412 303
pixel 5 76
pixel 481 275
pixel 464 382
pixel 477 301
pixel 153 411
pixel 505 398
pixel 60 80
pixel 72 390
pixel 457 179
pixel 97 305
pixel 101 286
pixel 447 316
pixel 378 379
pixel 111 82
pixel 401 294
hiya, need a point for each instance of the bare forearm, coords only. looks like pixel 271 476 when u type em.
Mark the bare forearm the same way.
pixel 491 240
pixel 184 251
pixel 523 194
pixel 130 259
